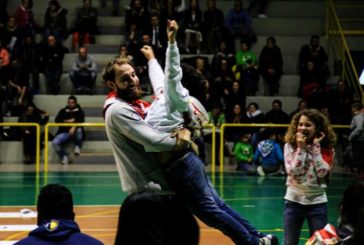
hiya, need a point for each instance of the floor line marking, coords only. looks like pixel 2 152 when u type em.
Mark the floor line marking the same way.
pixel 6 228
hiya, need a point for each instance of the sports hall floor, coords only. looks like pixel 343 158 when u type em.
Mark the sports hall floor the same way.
pixel 97 198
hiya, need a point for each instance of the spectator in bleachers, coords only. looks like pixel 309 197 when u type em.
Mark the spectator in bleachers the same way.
pixel 234 116
pixel 137 14
pixel 202 67
pixel 262 5
pixel 217 115
pixel 311 88
pixel 72 113
pixel 133 36
pixel 19 93
pixel 3 14
pixel 223 79
pixel 12 35
pixel 124 53
pixel 216 118
pixel 172 9
pixel 341 98
pixel 233 95
pixel 246 68
pixel 83 72
pixel 55 21
pixel 315 53
pixel 278 116
pixel 302 104
pixel 243 152
pixel 239 22
pixel 271 67
pixel 51 61
pixel 25 18
pixel 192 26
pixel 29 56
pixel 310 79
pixel 158 36
pixel 141 63
pixel 213 26
pixel 254 115
pixel 356 138
pixel 192 81
pixel 268 155
pixel 222 52
pixel 85 25
pixel 4 63
pixel 56 220
pixel 31 114
pixel 4 74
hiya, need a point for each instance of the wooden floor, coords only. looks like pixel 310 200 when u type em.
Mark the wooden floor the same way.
pixel 97 221
pixel 97 198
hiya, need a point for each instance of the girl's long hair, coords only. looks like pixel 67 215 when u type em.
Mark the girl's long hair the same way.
pixel 321 122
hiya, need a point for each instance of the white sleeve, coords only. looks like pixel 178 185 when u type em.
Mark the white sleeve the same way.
pixel 129 123
pixel 176 94
pixel 156 76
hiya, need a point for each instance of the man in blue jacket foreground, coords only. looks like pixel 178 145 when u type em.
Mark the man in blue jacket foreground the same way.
pixel 56 220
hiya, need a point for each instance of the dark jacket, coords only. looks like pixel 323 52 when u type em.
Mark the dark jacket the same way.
pixel 271 58
pixel 57 21
pixel 62 232
pixel 52 56
pixel 66 113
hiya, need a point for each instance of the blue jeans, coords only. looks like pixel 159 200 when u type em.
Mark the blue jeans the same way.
pixel 61 139
pixel 294 216
pixel 188 178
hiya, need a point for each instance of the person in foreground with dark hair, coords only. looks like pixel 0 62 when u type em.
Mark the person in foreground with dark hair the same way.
pixel 350 230
pixel 56 220
pixel 147 218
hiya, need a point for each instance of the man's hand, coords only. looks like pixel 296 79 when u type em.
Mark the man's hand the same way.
pixel 183 139
pixel 148 52
pixel 172 28
pixel 72 131
pixel 194 148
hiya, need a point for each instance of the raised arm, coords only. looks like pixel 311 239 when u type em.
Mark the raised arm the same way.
pixel 176 94
pixel 155 71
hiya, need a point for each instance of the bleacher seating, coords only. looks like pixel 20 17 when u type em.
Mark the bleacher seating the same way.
pixel 291 22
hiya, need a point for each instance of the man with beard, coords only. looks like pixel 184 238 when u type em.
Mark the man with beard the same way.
pixel 133 140
pixel 183 169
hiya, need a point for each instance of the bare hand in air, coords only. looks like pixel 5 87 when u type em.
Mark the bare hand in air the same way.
pixel 148 52
pixel 172 28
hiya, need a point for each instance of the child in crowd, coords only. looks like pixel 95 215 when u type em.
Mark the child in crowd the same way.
pixel 308 157
pixel 243 152
pixel 268 155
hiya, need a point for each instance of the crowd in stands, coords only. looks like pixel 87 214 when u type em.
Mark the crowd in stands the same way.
pixel 232 74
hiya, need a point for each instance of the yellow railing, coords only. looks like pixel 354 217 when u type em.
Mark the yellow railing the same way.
pixel 222 135
pixel 341 52
pixel 46 143
pixel 46 140
pixel 225 125
pixel 37 148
